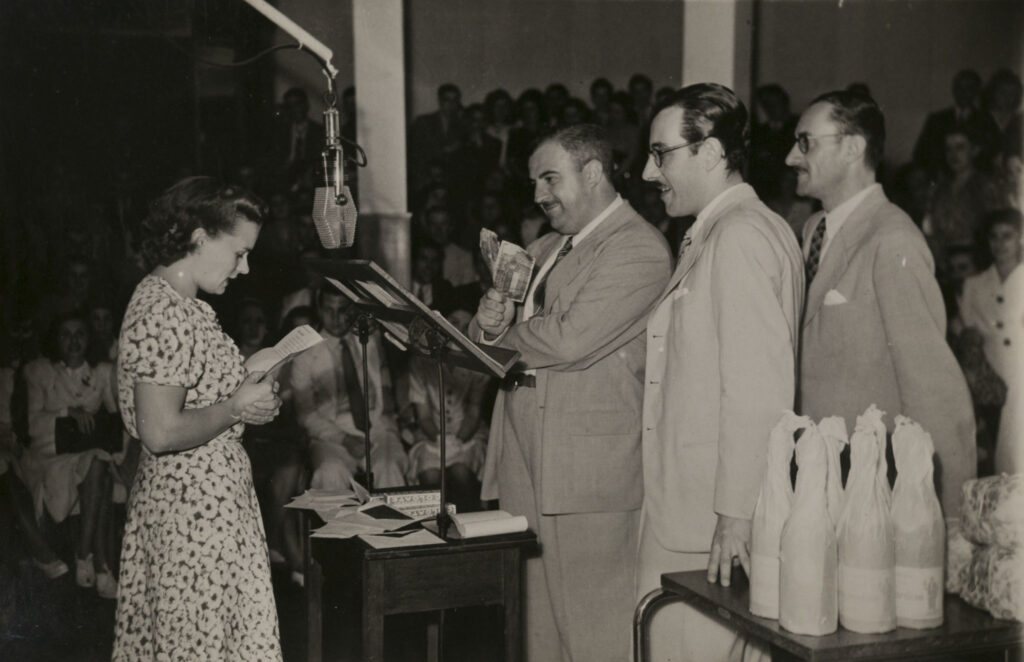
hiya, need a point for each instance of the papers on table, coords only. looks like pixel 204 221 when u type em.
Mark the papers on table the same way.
pixel 352 512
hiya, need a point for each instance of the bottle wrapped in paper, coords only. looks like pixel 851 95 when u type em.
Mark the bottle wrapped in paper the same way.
pixel 992 512
pixel 833 431
pixel 770 514
pixel 808 583
pixel 995 581
pixel 959 551
pixel 867 592
pixel 919 530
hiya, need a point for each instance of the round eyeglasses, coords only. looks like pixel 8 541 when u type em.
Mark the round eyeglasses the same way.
pixel 803 140
pixel 658 153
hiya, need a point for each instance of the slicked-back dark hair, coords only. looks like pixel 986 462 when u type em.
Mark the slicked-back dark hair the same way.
pixel 711 110
pixel 585 143
pixel 857 114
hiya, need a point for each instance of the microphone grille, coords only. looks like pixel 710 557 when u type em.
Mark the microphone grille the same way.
pixel 348 219
pixel 327 217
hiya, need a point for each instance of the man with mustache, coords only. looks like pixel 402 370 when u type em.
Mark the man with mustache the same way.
pixel 565 436
pixel 874 330
pixel 721 364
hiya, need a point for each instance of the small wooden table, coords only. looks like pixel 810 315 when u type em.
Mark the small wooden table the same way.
pixel 966 630
pixel 459 573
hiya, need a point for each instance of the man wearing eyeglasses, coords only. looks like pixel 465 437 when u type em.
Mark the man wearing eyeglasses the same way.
pixel 874 329
pixel 721 364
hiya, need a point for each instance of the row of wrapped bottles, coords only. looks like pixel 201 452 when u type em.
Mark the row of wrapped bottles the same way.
pixel 860 555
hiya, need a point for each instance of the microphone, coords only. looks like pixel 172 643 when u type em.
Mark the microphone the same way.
pixel 334 212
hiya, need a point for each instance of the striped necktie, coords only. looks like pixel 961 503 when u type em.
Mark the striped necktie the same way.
pixel 685 244
pixel 814 253
pixel 539 292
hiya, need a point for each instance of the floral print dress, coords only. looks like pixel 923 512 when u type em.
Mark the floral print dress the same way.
pixel 195 575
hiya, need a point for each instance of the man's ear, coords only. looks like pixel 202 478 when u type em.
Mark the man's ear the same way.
pixel 711 152
pixel 854 147
pixel 593 172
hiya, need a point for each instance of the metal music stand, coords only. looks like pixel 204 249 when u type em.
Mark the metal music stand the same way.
pixel 411 325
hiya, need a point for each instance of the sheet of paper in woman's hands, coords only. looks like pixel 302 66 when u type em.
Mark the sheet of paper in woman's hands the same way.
pixel 511 266
pixel 296 342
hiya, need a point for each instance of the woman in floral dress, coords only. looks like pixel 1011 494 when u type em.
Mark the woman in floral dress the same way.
pixel 195 577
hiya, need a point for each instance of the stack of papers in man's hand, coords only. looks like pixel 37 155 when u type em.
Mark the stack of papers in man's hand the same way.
pixel 269 359
pixel 510 265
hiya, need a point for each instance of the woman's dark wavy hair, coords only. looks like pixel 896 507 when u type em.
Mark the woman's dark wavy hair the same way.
pixel 194 202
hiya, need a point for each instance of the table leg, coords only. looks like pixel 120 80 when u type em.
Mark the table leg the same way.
pixel 511 598
pixel 642 620
pixel 313 593
pixel 373 618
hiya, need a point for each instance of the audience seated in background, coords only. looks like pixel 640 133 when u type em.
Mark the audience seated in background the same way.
pixel 458 262
pixel 960 199
pixel 251 332
pixel 465 431
pixel 600 95
pixel 436 136
pixel 556 95
pixel 297 140
pixel 428 285
pixel 1002 101
pixel 66 385
pixel 479 153
pixel 500 121
pixel 532 125
pixel 993 306
pixel 770 140
pixel 966 113
pixel 327 382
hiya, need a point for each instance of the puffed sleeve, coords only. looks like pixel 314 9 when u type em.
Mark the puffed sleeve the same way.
pixel 160 345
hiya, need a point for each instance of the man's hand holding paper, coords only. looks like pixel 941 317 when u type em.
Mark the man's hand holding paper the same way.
pixel 495 313
pixel 510 265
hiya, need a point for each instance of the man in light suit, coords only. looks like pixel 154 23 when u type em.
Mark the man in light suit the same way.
pixel 721 363
pixel 327 383
pixel 874 329
pixel 565 438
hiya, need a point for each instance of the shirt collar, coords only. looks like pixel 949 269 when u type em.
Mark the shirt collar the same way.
pixel 592 225
pixel 835 218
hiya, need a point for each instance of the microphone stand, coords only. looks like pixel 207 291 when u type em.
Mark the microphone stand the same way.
pixel 365 325
pixel 429 340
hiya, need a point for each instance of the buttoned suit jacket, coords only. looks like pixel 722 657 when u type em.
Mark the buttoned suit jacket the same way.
pixel 721 370
pixel 587 347
pixel 880 338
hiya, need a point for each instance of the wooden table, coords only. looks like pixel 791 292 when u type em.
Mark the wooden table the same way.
pixel 966 630
pixel 459 573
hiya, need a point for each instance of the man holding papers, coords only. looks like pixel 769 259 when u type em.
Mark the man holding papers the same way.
pixel 565 438
pixel 327 381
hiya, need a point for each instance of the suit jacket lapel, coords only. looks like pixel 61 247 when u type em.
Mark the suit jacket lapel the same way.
pixel 858 226
pixel 697 242
pixel 572 263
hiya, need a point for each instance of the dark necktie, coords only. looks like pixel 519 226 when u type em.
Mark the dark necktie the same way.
pixel 685 244
pixel 814 254
pixel 542 286
pixel 353 387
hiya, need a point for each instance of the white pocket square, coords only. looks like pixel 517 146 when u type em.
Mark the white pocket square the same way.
pixel 834 298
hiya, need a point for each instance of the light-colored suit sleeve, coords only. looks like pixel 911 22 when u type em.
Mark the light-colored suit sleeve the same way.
pixel 932 387
pixel 756 360
pixel 626 278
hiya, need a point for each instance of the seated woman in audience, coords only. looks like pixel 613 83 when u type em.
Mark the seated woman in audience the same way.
pixel 67 385
pixel 993 304
pixel 251 333
pixel 465 433
pixel 961 198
